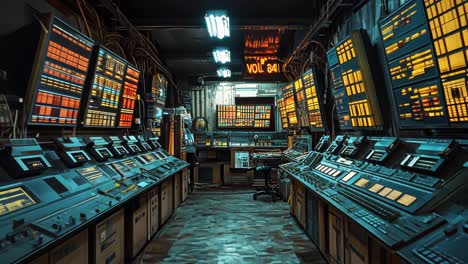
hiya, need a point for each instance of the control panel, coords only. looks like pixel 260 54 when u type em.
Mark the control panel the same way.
pixel 398 196
pixel 23 157
pixel 302 144
pixel 39 211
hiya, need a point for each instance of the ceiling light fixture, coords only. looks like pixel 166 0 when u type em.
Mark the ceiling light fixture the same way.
pixel 217 23
pixel 222 55
pixel 224 72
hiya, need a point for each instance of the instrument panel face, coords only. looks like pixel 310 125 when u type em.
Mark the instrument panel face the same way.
pixel 353 86
pixel 61 76
pixel 106 90
pixel 14 199
pixel 283 114
pixel 311 103
pixel 425 45
pixel 244 116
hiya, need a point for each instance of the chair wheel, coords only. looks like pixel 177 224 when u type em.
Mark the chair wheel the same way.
pixel 255 196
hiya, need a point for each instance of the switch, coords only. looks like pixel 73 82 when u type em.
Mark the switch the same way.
pixel 110 203
pixel 82 216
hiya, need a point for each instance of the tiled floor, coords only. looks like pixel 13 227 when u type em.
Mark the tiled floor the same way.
pixel 227 226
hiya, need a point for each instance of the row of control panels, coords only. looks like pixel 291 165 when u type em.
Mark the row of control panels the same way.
pixel 239 139
pixel 72 183
pixel 401 190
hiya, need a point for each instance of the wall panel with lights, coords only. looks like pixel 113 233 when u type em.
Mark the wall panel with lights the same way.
pixel 425 46
pixel 353 84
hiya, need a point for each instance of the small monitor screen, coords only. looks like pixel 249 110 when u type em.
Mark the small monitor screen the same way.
pixel 14 199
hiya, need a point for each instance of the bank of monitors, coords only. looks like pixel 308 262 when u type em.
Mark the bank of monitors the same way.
pixel 61 74
pixel 112 95
pixel 290 105
pixel 245 116
pixel 426 52
pixel 283 115
pixel 312 102
pixel 353 85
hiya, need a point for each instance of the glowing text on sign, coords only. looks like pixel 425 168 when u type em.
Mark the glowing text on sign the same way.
pixel 263 66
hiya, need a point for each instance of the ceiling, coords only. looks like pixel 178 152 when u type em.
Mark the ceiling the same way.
pixel 178 30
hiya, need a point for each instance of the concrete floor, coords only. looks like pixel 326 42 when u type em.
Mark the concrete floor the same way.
pixel 227 226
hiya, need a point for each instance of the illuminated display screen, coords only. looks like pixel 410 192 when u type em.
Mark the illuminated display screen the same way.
pixel 124 166
pixel 244 116
pixel 106 89
pixel 91 174
pixel 128 97
pixel 354 90
pixel 283 115
pixel 61 77
pixel 14 199
pixel 313 106
pixel 301 107
pixel 290 104
pixel 427 67
pixel 404 31
pixel 448 25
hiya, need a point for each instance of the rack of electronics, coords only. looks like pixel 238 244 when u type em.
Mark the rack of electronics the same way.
pixel 364 196
pixel 84 198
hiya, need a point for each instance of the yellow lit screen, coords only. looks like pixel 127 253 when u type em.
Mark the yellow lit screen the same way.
pixel 290 104
pixel 313 106
pixel 448 25
pixel 420 104
pixel 404 30
pixel 92 174
pixel 354 91
pixel 14 199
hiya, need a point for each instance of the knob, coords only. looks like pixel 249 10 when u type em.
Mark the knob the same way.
pixel 56 226
pixel 450 230
pixel 11 238
pixel 71 220
pixel 97 210
pixel 110 203
pixel 465 227
pixel 39 239
pixel 82 216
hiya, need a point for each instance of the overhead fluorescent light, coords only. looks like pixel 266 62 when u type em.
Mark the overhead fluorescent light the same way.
pixel 222 55
pixel 224 72
pixel 246 85
pixel 217 23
